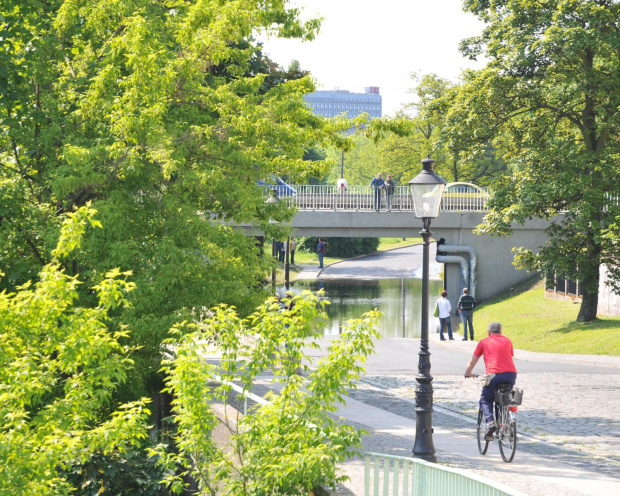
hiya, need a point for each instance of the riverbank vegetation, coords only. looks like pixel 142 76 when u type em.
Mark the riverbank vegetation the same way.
pixel 341 247
pixel 536 323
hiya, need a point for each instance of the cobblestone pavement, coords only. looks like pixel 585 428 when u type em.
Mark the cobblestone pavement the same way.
pixel 563 439
pixel 573 416
pixel 556 421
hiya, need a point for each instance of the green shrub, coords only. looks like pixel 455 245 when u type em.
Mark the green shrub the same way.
pixel 119 474
pixel 342 247
pixel 59 365
pixel 290 445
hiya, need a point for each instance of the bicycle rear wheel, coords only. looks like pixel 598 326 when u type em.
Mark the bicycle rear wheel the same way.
pixel 483 445
pixel 508 440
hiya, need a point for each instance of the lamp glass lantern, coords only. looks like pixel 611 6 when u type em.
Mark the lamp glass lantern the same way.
pixel 427 190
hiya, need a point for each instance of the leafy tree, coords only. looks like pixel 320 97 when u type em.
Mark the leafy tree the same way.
pixel 397 146
pixel 59 364
pixel 361 161
pixel 548 99
pixel 163 114
pixel 463 160
pixel 289 446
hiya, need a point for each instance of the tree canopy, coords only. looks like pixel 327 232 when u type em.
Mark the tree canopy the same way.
pixel 163 114
pixel 548 101
pixel 397 146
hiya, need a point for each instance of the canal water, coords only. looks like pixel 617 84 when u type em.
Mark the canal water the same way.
pixel 398 299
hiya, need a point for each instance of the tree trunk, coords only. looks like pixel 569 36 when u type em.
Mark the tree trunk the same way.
pixel 161 408
pixel 589 305
pixel 589 277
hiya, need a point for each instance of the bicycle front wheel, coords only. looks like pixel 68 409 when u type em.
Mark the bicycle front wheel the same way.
pixel 508 440
pixel 483 445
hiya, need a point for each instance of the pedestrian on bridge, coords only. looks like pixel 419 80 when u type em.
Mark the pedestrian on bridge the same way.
pixel 466 306
pixel 443 304
pixel 378 184
pixel 389 192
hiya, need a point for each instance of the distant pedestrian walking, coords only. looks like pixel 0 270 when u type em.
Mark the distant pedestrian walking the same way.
pixel 342 185
pixel 466 306
pixel 321 248
pixel 444 315
pixel 389 192
pixel 281 251
pixel 377 183
pixel 292 245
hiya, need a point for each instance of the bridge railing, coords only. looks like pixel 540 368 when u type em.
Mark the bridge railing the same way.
pixel 389 475
pixel 361 198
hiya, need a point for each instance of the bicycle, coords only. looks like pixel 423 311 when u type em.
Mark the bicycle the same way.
pixel 507 399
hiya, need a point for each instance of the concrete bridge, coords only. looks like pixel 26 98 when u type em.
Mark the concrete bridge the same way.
pixel 492 268
pixel 484 263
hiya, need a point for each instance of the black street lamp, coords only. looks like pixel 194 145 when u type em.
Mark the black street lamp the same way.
pixel 426 189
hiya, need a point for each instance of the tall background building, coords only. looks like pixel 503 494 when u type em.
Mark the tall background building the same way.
pixel 333 103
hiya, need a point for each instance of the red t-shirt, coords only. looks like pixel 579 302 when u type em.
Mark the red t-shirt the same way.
pixel 497 353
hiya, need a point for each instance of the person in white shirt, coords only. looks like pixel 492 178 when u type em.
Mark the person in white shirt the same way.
pixel 444 315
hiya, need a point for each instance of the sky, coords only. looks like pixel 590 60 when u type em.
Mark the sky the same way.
pixel 380 43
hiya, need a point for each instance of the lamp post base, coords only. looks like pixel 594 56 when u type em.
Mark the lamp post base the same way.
pixel 424 447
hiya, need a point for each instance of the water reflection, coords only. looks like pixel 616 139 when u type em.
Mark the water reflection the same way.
pixel 398 299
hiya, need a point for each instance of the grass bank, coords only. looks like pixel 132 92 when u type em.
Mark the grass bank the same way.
pixel 535 323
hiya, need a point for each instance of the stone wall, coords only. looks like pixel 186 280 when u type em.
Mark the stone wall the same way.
pixel 608 301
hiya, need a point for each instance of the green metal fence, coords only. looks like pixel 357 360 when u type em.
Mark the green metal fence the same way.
pixel 388 475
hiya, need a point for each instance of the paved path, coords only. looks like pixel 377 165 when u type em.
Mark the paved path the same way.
pixel 564 448
pixel 395 263
pixel 537 470
pixel 569 421
pixel 571 409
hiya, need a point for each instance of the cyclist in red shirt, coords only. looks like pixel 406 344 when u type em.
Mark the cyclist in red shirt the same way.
pixel 500 369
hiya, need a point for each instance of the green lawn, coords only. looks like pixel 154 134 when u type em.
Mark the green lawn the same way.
pixel 536 323
pixel 391 243
pixel 306 258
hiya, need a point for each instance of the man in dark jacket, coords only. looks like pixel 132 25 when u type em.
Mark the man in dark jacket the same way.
pixel 378 184
pixel 466 306
pixel 321 248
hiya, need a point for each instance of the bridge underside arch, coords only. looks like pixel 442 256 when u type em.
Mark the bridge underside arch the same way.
pixel 495 271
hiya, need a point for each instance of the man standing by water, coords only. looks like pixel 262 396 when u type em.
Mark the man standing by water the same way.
pixel 292 246
pixel 377 183
pixel 466 306
pixel 443 304
pixel 321 248
pixel 500 369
